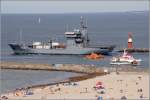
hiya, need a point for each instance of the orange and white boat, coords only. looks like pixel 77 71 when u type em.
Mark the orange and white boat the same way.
pixel 125 59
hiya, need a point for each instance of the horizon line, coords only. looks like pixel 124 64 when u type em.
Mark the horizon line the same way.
pixel 80 12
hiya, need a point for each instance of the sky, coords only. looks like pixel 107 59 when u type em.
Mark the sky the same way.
pixel 48 6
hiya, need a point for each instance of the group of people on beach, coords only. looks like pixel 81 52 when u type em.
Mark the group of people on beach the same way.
pixel 100 90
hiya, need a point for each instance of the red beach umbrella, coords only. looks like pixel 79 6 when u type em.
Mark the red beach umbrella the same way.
pixel 99 83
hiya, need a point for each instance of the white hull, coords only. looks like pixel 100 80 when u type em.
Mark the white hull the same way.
pixel 125 59
pixel 120 63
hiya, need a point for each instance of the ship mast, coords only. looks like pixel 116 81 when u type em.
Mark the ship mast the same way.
pixel 20 36
pixel 82 23
pixel 87 33
pixel 84 31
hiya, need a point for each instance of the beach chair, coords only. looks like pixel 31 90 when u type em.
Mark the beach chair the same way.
pixel 74 84
pixel 4 98
pixel 29 92
pixel 123 98
pixel 101 91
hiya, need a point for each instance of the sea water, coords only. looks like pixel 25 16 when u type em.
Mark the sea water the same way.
pixel 103 28
pixel 12 79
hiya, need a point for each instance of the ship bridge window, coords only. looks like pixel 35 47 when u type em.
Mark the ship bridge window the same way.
pixel 69 33
pixel 37 43
pixel 77 31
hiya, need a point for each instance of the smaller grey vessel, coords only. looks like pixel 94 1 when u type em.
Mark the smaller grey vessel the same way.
pixel 77 44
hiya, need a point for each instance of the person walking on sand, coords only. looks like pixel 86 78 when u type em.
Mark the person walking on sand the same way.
pixel 100 98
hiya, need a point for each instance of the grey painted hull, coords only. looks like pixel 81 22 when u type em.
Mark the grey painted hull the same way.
pixel 59 51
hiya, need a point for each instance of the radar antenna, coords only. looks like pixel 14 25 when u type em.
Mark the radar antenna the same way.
pixel 82 23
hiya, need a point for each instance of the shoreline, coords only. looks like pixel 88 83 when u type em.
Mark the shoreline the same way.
pixel 132 85
pixel 126 74
pixel 67 80
pixel 46 67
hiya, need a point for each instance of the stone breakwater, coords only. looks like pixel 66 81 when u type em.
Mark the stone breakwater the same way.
pixel 135 50
pixel 88 69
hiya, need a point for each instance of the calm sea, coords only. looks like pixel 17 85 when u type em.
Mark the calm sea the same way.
pixel 103 28
pixel 11 79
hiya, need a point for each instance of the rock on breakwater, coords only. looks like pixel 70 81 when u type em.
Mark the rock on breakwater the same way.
pixel 135 50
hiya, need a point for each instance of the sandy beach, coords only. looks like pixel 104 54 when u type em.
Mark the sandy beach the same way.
pixel 125 85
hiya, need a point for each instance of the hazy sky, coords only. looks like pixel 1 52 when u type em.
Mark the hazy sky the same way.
pixel 8 6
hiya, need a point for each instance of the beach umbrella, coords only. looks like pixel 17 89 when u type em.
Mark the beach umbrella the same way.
pixel 99 83
pixel 99 86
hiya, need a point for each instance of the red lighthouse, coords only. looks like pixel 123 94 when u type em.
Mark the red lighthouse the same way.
pixel 130 41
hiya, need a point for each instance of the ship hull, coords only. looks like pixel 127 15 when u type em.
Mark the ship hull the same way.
pixel 18 49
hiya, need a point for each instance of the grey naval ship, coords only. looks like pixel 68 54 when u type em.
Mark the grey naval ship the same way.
pixel 77 43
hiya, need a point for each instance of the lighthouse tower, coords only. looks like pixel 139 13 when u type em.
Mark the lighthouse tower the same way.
pixel 130 41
